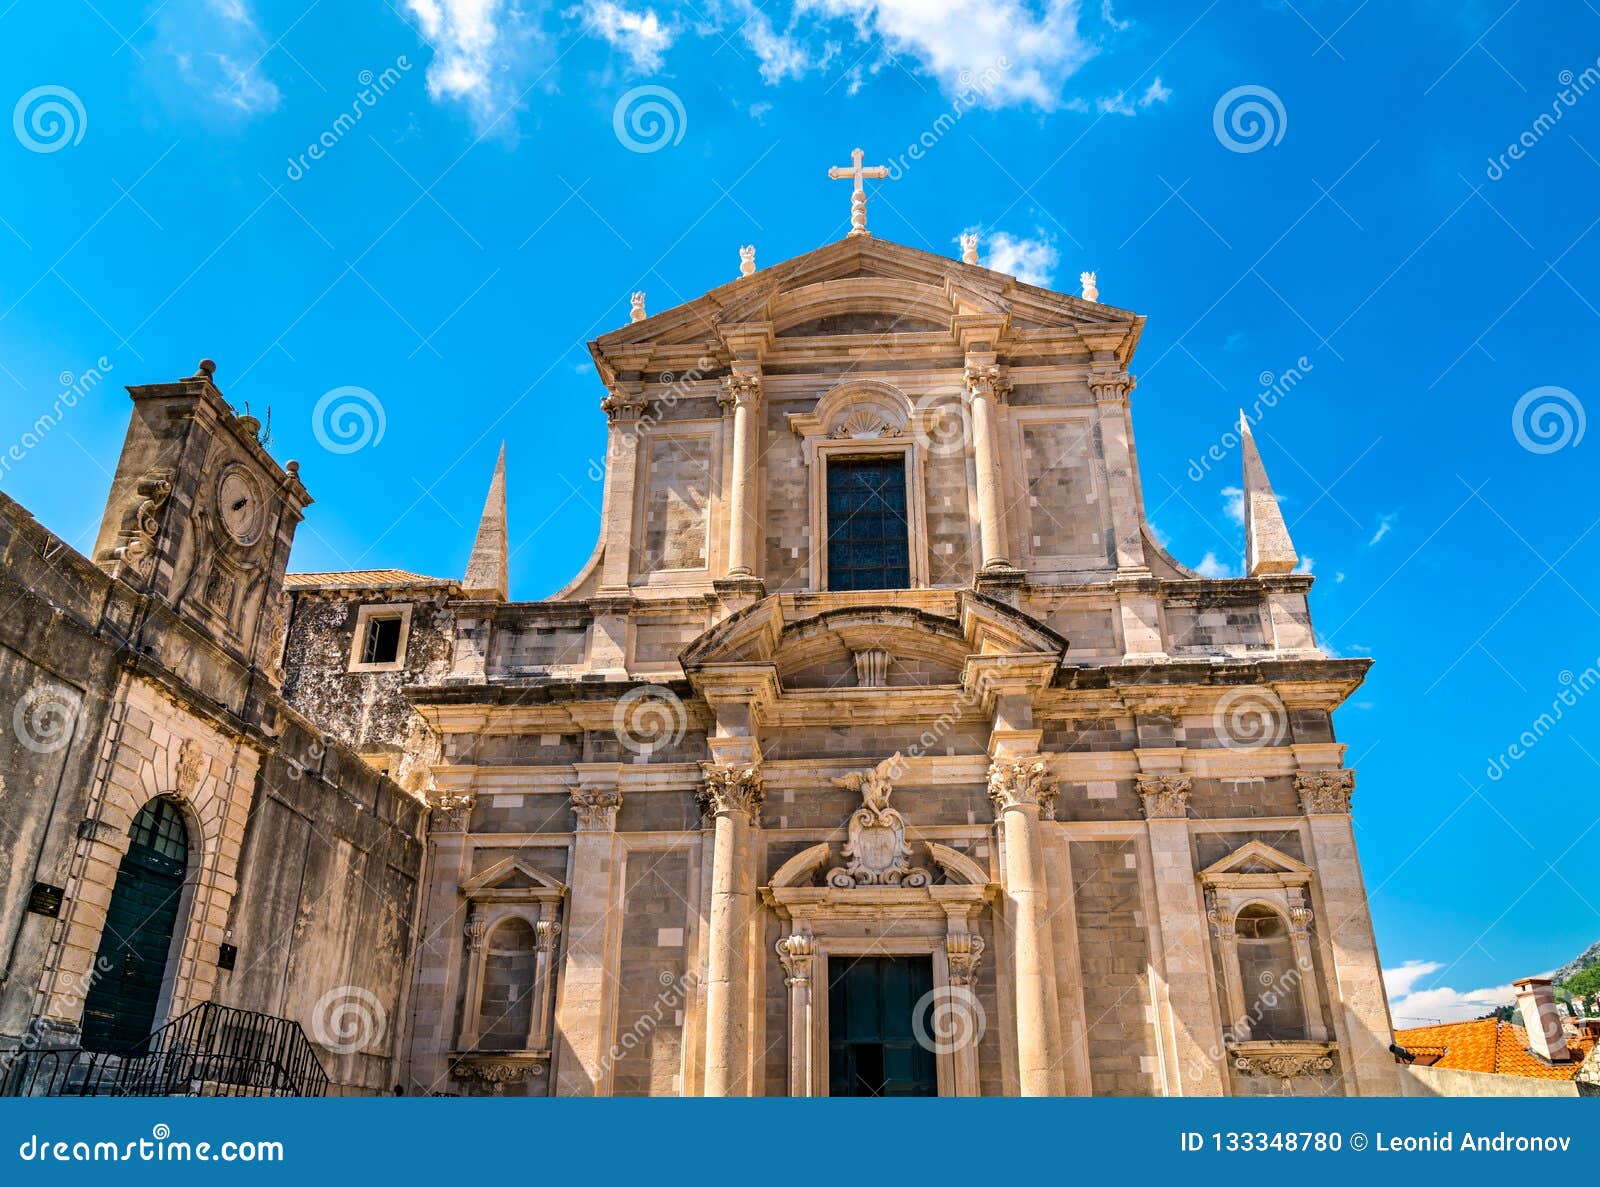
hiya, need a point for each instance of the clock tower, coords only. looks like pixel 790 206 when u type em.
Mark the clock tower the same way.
pixel 200 517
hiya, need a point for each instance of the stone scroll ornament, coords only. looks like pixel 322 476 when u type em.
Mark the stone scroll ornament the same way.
pixel 876 853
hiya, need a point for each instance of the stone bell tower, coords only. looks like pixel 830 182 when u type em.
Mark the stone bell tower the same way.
pixel 200 517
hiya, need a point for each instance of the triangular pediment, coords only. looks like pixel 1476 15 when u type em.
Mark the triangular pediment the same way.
pixel 863 286
pixel 1256 859
pixel 512 874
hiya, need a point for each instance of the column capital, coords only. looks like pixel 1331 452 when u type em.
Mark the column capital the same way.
pixel 732 788
pixel 795 953
pixel 1165 796
pixel 1111 384
pixel 452 811
pixel 985 380
pixel 623 401
pixel 1325 793
pixel 545 934
pixel 477 930
pixel 1022 783
pixel 596 808
pixel 741 389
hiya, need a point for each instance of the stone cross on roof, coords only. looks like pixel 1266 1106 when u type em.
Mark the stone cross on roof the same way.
pixel 856 172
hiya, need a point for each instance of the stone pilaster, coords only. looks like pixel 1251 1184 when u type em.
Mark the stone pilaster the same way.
pixel 1020 789
pixel 795 953
pixel 1111 387
pixel 733 798
pixel 1189 1019
pixel 1347 929
pixel 582 1012
pixel 623 405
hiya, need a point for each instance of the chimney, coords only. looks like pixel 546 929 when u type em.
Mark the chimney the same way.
pixel 1547 1038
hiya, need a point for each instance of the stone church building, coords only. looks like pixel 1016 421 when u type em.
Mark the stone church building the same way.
pixel 878 748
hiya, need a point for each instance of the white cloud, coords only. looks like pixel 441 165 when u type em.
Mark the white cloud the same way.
pixel 1026 50
pixel 780 55
pixel 1155 93
pixel 1210 566
pixel 1032 261
pixel 1385 524
pixel 1233 503
pixel 213 50
pixel 1110 18
pixel 1411 1006
pixel 1307 563
pixel 640 35
pixel 482 51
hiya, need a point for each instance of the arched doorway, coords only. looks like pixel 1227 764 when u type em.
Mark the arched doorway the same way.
pixel 119 1011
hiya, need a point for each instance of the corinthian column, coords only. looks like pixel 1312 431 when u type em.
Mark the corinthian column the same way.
pixel 985 382
pixel 1021 788
pixel 733 796
pixel 742 391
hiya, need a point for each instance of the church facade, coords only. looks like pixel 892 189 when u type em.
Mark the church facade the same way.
pixel 878 749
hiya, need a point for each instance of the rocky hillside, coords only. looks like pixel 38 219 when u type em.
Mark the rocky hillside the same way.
pixel 1590 956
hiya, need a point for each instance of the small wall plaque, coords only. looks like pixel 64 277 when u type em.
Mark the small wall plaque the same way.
pixel 227 957
pixel 45 900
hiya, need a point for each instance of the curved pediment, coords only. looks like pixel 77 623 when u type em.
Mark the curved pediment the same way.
pixel 861 644
pixel 860 305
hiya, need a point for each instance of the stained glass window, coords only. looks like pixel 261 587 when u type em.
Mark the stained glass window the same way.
pixel 867 533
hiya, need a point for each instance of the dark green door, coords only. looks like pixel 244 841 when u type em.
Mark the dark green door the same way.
pixel 872 1046
pixel 120 1010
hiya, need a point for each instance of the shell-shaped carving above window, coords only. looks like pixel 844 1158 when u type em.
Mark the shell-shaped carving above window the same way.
pixel 864 424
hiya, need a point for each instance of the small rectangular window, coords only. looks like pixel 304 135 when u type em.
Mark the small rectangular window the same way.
pixel 383 641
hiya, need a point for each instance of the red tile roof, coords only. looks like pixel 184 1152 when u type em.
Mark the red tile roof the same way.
pixel 1489 1045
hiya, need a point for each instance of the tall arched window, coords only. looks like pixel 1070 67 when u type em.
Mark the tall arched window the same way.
pixel 1271 979
pixel 119 1011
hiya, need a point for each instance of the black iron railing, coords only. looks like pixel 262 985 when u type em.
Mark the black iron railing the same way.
pixel 211 1050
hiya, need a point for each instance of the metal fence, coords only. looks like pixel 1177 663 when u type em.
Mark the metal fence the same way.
pixel 211 1050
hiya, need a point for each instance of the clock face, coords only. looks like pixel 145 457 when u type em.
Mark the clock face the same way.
pixel 240 507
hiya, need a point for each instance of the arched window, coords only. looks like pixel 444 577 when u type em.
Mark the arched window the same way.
pixel 119 1011
pixel 1270 977
pixel 506 1012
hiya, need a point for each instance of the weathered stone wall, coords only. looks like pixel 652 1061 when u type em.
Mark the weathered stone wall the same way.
pixel 677 504
pixel 1113 949
pixel 324 917
pixel 368 711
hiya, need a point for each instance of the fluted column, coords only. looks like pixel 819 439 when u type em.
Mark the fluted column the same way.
pixel 985 382
pixel 733 796
pixel 1021 788
pixel 742 393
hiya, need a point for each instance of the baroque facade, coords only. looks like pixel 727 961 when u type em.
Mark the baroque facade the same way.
pixel 878 749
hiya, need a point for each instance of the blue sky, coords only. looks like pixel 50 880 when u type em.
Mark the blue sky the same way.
pixel 1322 188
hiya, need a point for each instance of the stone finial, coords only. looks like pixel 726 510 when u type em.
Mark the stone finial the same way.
pixel 1267 547
pixel 747 260
pixel 637 313
pixel 206 369
pixel 856 172
pixel 969 247
pixel 1091 291
pixel 488 570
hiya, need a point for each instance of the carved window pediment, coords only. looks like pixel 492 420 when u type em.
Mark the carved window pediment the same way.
pixel 1256 864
